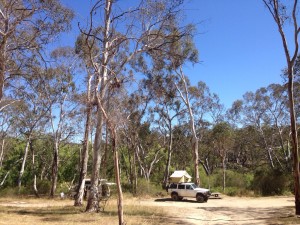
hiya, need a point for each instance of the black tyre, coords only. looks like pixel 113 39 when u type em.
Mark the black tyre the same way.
pixel 200 198
pixel 174 196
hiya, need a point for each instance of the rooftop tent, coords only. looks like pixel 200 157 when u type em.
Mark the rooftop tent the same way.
pixel 180 176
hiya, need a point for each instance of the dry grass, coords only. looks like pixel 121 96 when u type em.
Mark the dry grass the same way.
pixel 28 211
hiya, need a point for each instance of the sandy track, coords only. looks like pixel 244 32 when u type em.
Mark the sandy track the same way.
pixel 228 210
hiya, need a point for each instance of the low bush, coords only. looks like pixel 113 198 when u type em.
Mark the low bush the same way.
pixel 43 186
pixel 233 179
pixel 145 188
pixel 14 191
pixel 271 182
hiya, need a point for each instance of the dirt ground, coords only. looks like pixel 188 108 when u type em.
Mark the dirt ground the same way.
pixel 230 210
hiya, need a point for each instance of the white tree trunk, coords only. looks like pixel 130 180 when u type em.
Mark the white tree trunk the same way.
pixel 194 142
pixel 23 162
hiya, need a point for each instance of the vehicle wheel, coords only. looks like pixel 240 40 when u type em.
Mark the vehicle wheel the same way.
pixel 174 196
pixel 200 198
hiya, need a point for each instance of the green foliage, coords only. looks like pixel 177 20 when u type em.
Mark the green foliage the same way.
pixel 63 187
pixel 69 155
pixel 146 188
pixel 43 186
pixel 235 191
pixel 14 191
pixel 271 182
pixel 205 180
pixel 233 179
pixel 237 184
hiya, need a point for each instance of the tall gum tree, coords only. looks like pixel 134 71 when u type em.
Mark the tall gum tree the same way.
pixel 166 63
pixel 85 50
pixel 121 36
pixel 59 90
pixel 25 28
pixel 283 14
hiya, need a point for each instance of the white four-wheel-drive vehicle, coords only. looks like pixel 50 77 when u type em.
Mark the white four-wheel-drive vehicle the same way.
pixel 190 190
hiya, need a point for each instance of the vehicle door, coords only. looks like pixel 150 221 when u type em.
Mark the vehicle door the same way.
pixel 189 191
pixel 181 190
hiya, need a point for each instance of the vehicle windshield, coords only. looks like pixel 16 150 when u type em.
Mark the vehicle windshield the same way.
pixel 194 186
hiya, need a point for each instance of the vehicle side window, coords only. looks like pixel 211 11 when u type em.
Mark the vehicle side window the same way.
pixel 181 186
pixel 173 185
pixel 188 187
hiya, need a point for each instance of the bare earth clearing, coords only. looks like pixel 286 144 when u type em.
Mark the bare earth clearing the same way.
pixel 228 210
pixel 232 210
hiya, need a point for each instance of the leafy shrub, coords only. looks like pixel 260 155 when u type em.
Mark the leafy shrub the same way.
pixel 44 186
pixel 62 187
pixel 126 187
pixel 233 179
pixel 145 188
pixel 234 191
pixel 270 182
pixel 14 191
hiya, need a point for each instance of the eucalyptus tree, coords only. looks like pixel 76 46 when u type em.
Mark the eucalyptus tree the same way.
pixel 234 113
pixel 84 52
pixel 5 125
pixel 30 118
pixel 255 107
pixel 30 115
pixel 59 91
pixel 247 152
pixel 149 150
pixel 223 141
pixel 266 110
pixel 168 64
pixel 168 110
pixel 182 158
pixel 137 105
pixel 6 120
pixel 26 27
pixel 285 14
pixel 199 103
pixel 277 116
pixel 122 34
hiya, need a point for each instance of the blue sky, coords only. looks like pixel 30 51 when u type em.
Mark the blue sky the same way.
pixel 239 45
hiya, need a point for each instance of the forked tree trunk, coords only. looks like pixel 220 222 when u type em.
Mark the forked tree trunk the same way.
pixel 92 204
pixel 194 142
pixel 23 162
